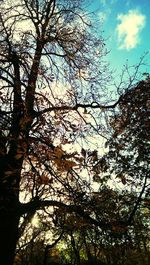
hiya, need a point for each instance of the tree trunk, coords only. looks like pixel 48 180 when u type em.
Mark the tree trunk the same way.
pixel 75 249
pixel 9 209
pixel 9 220
pixel 88 252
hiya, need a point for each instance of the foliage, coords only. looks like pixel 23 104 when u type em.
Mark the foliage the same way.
pixel 129 145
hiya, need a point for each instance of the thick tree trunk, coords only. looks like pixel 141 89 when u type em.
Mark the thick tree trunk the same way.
pixel 9 209
pixel 9 221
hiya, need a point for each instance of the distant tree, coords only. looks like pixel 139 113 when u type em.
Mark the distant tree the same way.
pixel 84 243
pixel 126 161
pixel 129 146
pixel 32 253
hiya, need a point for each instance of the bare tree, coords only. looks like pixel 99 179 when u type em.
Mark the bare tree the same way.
pixel 52 71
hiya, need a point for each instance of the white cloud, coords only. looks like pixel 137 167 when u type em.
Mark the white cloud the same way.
pixel 129 28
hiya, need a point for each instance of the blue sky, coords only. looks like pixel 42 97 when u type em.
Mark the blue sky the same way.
pixel 126 25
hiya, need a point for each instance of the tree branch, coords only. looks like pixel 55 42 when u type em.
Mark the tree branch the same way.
pixel 137 202
pixel 93 105
pixel 37 204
